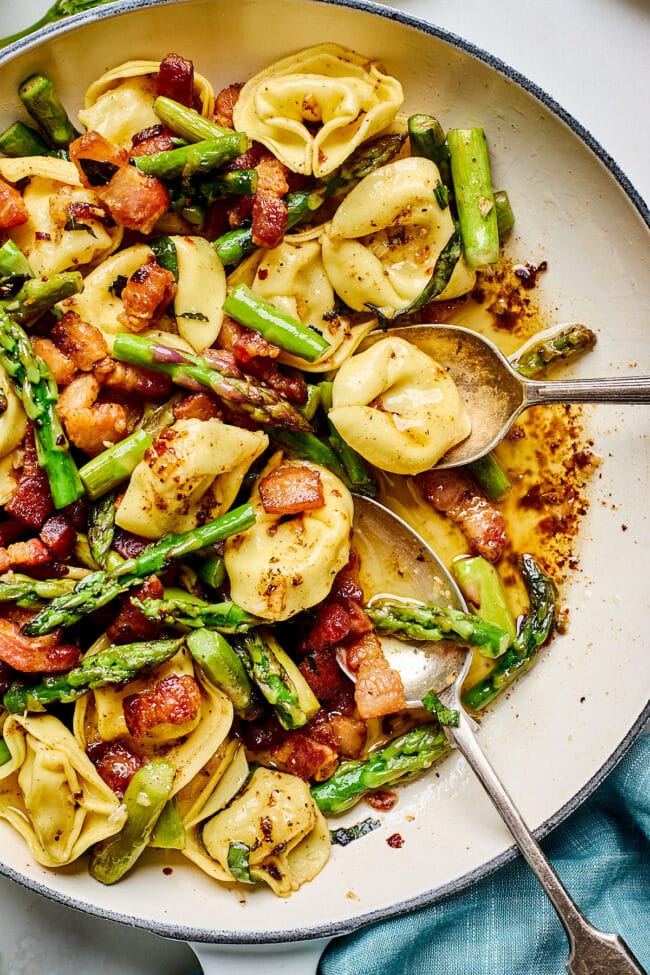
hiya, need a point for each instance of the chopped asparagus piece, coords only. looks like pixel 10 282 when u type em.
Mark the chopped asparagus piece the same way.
pixel 40 294
pixel 477 215
pixel 505 216
pixel 288 333
pixel 550 346
pixel 483 590
pixel 277 677
pixel 101 528
pixel 491 477
pixel 448 717
pixel 144 799
pixel 21 140
pixel 428 139
pixel 186 122
pixel 169 832
pixel 198 157
pixel 105 471
pixel 39 97
pixel 223 667
pixel 188 611
pixel 413 621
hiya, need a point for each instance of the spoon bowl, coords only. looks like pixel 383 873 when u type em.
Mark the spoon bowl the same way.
pixel 493 392
pixel 394 556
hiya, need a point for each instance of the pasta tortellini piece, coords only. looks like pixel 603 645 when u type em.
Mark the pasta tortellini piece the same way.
pixel 276 817
pixel 191 474
pixel 313 108
pixel 200 292
pixel 397 407
pixel 383 242
pixel 120 103
pixel 99 716
pixel 13 419
pixel 286 563
pixel 51 793
pixel 65 228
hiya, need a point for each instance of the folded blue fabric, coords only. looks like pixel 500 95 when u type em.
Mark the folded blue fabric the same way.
pixel 504 925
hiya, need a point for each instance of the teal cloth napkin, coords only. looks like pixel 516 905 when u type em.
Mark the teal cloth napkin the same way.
pixel 504 925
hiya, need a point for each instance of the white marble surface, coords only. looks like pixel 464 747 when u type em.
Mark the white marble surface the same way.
pixel 591 57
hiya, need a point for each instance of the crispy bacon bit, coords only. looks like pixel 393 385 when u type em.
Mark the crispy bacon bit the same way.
pixel 10 530
pixel 350 733
pixel 197 406
pixel 80 341
pixel 306 757
pixel 453 493
pixel 175 79
pixel 13 211
pixel 32 501
pixel 133 380
pixel 244 343
pixel 289 490
pixel 224 105
pixel 116 764
pixel 173 700
pixel 130 624
pixel 38 654
pixel 127 545
pixel 323 674
pixel 62 367
pixel 383 800
pixel 269 220
pixel 146 296
pixel 134 200
pixel 379 689
pixel 90 425
pixel 59 535
pixel 147 142
pixel 84 210
pixel 23 555
pixel 266 207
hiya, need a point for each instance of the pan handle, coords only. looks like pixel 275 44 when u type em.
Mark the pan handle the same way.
pixel 294 958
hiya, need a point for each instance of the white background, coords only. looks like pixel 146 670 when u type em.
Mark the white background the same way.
pixel 591 56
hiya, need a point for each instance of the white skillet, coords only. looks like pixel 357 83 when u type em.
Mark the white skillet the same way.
pixel 578 212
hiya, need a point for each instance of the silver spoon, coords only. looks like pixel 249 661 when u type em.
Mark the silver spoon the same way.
pixel 395 560
pixel 494 394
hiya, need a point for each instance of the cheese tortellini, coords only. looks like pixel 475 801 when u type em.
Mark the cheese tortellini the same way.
pixel 120 103
pixel 66 228
pixel 190 475
pixel 284 564
pixel 276 817
pixel 313 108
pixel 397 407
pixel 13 419
pixel 51 792
pixel 383 242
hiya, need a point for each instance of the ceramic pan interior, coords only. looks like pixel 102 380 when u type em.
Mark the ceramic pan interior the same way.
pixel 566 724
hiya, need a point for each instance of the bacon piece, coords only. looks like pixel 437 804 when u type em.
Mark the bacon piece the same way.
pixel 134 200
pixel 146 296
pixel 147 142
pixel 197 406
pixel 32 501
pixel 244 343
pixel 304 756
pixel 62 367
pixel 10 530
pixel 289 490
pixel 80 341
pixel 350 734
pixel 37 654
pixel 133 380
pixel 116 764
pixel 131 625
pixel 22 555
pixel 323 674
pixel 127 545
pixel 454 494
pixel 224 105
pixel 90 425
pixel 85 210
pixel 175 79
pixel 13 211
pixel 379 689
pixel 269 220
pixel 173 700
pixel 59 535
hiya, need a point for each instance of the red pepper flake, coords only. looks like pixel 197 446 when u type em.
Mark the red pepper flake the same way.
pixel 168 871
pixel 395 841
pixel 382 799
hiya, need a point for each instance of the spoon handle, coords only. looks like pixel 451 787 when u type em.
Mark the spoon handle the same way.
pixel 592 952
pixel 623 389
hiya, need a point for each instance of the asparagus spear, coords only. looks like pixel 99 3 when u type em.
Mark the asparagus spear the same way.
pixel 99 588
pixel 14 268
pixel 195 614
pixel 186 122
pixel 101 528
pixel 34 384
pixel 427 138
pixel 470 171
pixel 198 157
pixel 549 346
pixel 277 677
pixel 58 10
pixel 217 374
pixel 280 329
pixel 169 832
pixel 111 666
pixel 533 631
pixel 483 590
pixel 40 294
pixel 223 667
pixel 144 799
pixel 233 246
pixel 5 754
pixel 413 621
pixel 105 471
pixel 38 95
pixel 21 140
pixel 26 592
pixel 505 216
pixel 404 758
pixel 491 476
pixel 359 478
